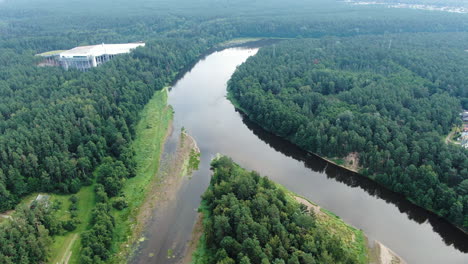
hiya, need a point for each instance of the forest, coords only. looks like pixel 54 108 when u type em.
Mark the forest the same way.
pixel 57 127
pixel 27 238
pixel 62 130
pixel 392 99
pixel 249 219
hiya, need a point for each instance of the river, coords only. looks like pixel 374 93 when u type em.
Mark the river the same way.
pixel 200 105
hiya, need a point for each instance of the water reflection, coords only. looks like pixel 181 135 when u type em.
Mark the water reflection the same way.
pixel 450 234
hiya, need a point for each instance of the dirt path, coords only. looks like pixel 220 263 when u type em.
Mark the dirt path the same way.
pixel 449 137
pixel 67 255
pixel 6 215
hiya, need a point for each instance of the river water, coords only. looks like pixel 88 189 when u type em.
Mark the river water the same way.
pixel 200 105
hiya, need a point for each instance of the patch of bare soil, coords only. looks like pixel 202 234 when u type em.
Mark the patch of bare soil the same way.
pixel 310 206
pixel 6 215
pixel 352 161
pixel 380 254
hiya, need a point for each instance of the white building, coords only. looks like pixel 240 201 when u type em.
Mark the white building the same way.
pixel 85 57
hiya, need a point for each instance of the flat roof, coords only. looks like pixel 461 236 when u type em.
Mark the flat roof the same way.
pixel 98 50
pixel 50 53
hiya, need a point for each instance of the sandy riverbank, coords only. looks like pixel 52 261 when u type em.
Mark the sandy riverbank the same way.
pixel 378 253
pixel 163 190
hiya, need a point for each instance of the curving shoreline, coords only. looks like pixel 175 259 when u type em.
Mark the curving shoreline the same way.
pixel 378 253
pixel 166 185
pixel 244 112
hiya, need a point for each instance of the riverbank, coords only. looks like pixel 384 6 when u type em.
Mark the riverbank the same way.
pixel 351 240
pixel 349 163
pixel 151 133
pixel 354 239
pixel 195 241
pixel 174 169
pixel 376 252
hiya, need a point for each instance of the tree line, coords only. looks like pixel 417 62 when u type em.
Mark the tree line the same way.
pixel 392 99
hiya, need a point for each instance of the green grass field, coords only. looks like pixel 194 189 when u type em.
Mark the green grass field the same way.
pixel 150 137
pixel 70 242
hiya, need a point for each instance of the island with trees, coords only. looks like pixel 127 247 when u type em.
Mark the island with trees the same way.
pixel 248 218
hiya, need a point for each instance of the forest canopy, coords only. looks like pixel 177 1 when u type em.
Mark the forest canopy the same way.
pixel 249 219
pixel 392 99
pixel 57 127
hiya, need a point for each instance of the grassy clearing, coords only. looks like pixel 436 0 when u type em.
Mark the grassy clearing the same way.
pixel 353 238
pixel 70 242
pixel 454 134
pixel 151 132
pixel 150 135
pixel 67 244
pixel 238 41
pixel 241 41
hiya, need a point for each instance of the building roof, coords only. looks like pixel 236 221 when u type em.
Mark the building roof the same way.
pixel 50 53
pixel 99 50
pixel 42 197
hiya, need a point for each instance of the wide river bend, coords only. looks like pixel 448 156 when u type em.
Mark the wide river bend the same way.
pixel 200 105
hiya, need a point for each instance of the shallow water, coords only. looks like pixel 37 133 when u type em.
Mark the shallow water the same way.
pixel 201 107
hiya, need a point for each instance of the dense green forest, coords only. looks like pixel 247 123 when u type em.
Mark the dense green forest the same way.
pixel 248 219
pixel 57 126
pixel 392 99
pixel 54 24
pixel 26 238
pixel 61 130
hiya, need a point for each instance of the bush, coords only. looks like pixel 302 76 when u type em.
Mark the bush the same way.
pixel 71 224
pixel 73 199
pixel 120 203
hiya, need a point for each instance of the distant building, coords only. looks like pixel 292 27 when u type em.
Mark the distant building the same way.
pixel 51 58
pixel 86 57
pixel 465 128
pixel 464 139
pixel 465 116
pixel 40 199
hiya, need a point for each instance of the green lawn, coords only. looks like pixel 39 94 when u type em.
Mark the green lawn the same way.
pixel 151 132
pixel 70 242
